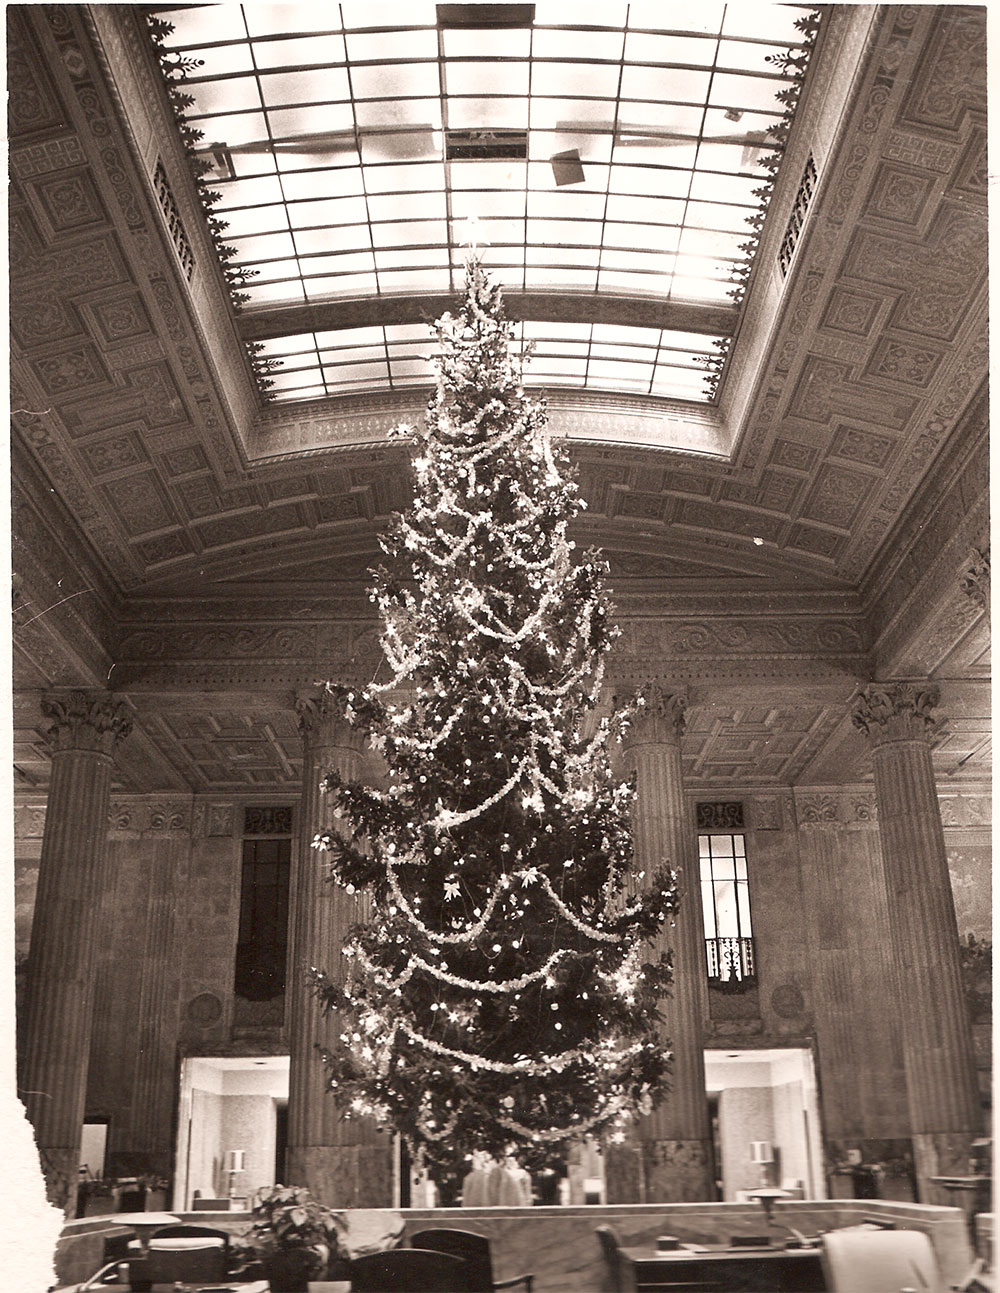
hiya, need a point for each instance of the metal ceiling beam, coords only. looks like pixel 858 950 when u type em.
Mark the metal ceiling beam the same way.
pixel 536 307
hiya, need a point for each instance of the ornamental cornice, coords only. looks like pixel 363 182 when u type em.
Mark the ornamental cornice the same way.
pixel 86 720
pixel 652 715
pixel 896 711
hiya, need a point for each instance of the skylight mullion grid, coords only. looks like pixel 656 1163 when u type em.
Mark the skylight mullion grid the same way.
pixel 445 125
pixel 267 128
pixel 527 167
pixel 364 181
pixel 611 158
pixel 637 249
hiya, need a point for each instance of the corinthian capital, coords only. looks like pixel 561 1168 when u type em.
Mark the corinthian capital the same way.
pixel 976 578
pixel 325 717
pixel 86 720
pixel 653 716
pixel 896 711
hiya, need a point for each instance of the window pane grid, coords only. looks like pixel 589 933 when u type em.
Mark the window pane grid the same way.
pixel 725 899
pixel 324 127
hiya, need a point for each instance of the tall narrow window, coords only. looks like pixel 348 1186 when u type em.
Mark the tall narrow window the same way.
pixel 262 944
pixel 725 897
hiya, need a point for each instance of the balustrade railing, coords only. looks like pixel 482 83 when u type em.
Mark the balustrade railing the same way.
pixel 731 963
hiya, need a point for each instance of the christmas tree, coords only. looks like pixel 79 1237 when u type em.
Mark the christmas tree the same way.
pixel 503 995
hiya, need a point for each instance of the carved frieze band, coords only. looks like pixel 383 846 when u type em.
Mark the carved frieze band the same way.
pixel 896 711
pixel 29 821
pixel 86 720
pixel 723 636
pixel 652 716
pixel 966 810
pixel 835 809
pixel 150 816
pixel 975 581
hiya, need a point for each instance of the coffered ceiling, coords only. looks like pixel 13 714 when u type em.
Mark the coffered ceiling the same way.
pixel 204 553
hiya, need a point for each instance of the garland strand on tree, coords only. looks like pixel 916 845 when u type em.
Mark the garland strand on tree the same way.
pixel 500 997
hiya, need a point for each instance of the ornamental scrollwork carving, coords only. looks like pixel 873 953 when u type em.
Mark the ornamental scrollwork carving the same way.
pixel 169 817
pixel 975 581
pixel 267 820
pixel 818 810
pixel 864 808
pixel 218 820
pixel 896 711
pixel 29 821
pixel 719 817
pixel 651 716
pixel 85 720
pixel 767 813
pixel 120 816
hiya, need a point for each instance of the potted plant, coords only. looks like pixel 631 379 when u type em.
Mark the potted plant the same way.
pixel 293 1237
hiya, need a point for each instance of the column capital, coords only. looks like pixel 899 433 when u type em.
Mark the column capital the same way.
pixel 324 716
pixel 975 582
pixel 86 720
pixel 653 716
pixel 896 711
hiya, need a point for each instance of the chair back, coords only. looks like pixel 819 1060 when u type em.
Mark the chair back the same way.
pixel 191 1230
pixel 609 1247
pixel 186 1260
pixel 879 1261
pixel 116 1245
pixel 409 1270
pixel 473 1249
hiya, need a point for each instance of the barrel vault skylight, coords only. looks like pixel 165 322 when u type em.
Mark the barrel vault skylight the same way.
pixel 610 162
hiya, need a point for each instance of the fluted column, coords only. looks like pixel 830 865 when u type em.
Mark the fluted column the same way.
pixel 66 932
pixel 675 1139
pixel 153 1093
pixel 345 1164
pixel 937 1048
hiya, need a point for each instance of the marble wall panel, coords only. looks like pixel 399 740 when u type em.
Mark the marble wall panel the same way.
pixel 846 926
pixel 132 1073
pixel 971 868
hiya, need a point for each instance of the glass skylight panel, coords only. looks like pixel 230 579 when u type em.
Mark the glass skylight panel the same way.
pixel 339 138
pixel 467 42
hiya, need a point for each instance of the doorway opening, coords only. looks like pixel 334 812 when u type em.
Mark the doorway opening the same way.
pixel 766 1121
pixel 232 1129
